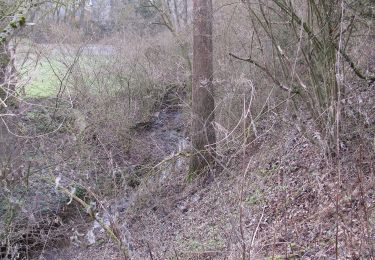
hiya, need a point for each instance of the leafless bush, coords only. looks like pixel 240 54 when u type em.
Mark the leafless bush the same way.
pixel 122 82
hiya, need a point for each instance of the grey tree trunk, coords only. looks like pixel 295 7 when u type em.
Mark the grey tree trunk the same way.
pixel 82 14
pixel 203 133
pixel 177 14
pixel 58 15
pixel 185 12
pixel 73 16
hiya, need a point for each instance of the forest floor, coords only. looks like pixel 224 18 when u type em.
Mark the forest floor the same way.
pixel 278 198
pixel 275 197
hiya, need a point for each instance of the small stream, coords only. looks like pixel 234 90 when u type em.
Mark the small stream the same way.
pixel 168 130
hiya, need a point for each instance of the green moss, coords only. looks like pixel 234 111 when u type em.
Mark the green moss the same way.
pixel 13 25
pixel 296 90
pixel 22 20
pixel 81 192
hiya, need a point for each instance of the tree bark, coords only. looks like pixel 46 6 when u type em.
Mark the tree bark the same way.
pixel 177 14
pixel 73 16
pixel 203 133
pixel 82 14
pixel 185 12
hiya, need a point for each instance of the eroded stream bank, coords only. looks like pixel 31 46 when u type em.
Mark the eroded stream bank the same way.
pixel 160 138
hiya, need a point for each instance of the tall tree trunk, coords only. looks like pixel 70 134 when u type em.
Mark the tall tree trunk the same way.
pixel 203 133
pixel 112 14
pixel 112 8
pixel 73 15
pixel 177 14
pixel 65 19
pixel 185 12
pixel 82 14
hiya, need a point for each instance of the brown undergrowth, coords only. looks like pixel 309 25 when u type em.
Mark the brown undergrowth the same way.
pixel 284 200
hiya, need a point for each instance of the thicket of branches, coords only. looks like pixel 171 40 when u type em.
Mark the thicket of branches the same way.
pixel 279 66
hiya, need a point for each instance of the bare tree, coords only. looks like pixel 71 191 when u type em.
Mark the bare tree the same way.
pixel 203 134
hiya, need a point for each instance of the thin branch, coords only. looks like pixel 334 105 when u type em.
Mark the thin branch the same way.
pixel 250 60
pixel 358 71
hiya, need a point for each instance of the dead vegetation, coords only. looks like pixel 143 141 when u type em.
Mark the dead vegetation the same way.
pixel 99 169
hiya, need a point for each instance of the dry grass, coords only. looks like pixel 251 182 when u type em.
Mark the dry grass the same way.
pixel 114 134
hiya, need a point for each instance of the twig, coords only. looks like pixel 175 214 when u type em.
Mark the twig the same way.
pixel 150 252
pixel 256 231
pixel 250 60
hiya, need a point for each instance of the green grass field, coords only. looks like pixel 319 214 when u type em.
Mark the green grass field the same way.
pixel 43 80
pixel 43 74
pixel 39 69
pixel 47 65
